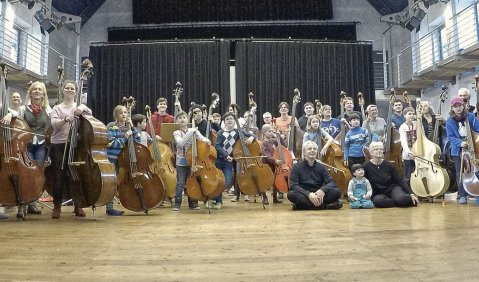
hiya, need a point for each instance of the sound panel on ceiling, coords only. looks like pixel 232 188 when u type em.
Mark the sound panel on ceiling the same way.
pixel 178 11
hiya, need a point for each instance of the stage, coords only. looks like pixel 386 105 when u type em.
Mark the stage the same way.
pixel 243 242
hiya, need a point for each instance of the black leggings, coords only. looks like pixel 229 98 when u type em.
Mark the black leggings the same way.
pixel 396 198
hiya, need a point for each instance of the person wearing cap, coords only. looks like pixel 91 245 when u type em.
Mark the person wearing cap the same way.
pixel 354 142
pixel 457 134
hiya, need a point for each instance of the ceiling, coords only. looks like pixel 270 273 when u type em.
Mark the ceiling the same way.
pixel 386 7
pixel 82 8
pixel 86 8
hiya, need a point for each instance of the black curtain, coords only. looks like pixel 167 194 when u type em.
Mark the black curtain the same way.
pixel 320 70
pixel 150 71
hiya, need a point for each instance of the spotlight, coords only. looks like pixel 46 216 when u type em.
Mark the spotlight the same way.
pixel 416 19
pixel 45 23
pixel 57 21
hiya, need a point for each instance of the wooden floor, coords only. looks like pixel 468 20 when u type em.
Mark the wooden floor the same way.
pixel 243 242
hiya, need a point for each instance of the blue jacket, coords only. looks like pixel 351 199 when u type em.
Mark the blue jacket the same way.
pixel 354 142
pixel 117 140
pixel 452 129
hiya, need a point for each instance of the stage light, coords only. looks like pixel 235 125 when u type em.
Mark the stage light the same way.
pixel 429 3
pixel 44 21
pixel 415 20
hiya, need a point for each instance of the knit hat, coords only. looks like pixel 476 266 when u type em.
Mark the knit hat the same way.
pixel 457 100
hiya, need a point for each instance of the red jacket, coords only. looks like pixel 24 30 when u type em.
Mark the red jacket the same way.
pixel 157 120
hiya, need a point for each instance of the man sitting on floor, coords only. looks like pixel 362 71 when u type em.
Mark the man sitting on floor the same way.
pixel 389 188
pixel 311 186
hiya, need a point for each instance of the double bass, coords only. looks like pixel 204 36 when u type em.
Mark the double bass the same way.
pixel 162 159
pixel 368 128
pixel 333 160
pixel 93 176
pixel 205 181
pixel 392 144
pixel 177 93
pixel 250 124
pixel 470 156
pixel 295 135
pixel 283 171
pixel 429 179
pixel 139 188
pixel 253 176
pixel 21 178
pixel 214 103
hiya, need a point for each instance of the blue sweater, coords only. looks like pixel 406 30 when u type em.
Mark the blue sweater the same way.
pixel 117 140
pixel 452 129
pixel 354 142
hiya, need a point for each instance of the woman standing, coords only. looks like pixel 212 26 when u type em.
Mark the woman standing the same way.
pixel 61 117
pixel 35 114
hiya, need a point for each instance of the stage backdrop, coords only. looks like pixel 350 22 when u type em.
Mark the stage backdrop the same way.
pixel 148 71
pixel 320 70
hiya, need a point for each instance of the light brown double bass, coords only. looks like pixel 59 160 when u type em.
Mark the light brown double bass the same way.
pixel 21 178
pixel 429 179
pixel 205 181
pixel 93 176
pixel 333 160
pixel 253 176
pixel 470 156
pixel 139 188
pixel 162 159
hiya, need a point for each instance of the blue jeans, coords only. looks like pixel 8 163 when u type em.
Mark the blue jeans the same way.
pixel 227 169
pixel 38 153
pixel 182 173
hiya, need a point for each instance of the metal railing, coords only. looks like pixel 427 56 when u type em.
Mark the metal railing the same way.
pixel 31 54
pixel 456 36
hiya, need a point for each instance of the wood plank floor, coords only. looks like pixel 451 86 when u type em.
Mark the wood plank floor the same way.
pixel 243 242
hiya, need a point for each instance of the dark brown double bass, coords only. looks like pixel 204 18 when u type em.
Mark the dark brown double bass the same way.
pixel 283 171
pixel 392 144
pixel 253 176
pixel 209 132
pixel 93 176
pixel 470 156
pixel 205 181
pixel 139 188
pixel 294 139
pixel 21 178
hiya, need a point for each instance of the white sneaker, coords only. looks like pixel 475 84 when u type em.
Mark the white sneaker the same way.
pixel 246 198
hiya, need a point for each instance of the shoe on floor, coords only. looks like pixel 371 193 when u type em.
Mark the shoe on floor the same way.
pixel 235 199
pixel 79 212
pixel 194 206
pixel 463 200
pixel 3 216
pixel 114 212
pixel 334 206
pixel 294 207
pixel 176 208
pixel 217 206
pixel 246 198
pixel 32 209
pixel 280 196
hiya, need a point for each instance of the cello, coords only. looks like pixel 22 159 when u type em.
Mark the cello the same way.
pixel 205 181
pixel 253 176
pixel 392 144
pixel 21 178
pixel 162 159
pixel 93 176
pixel 333 160
pixel 139 188
pixel 429 179
pixel 470 156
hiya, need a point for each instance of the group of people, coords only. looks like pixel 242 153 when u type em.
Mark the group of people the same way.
pixel 375 182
